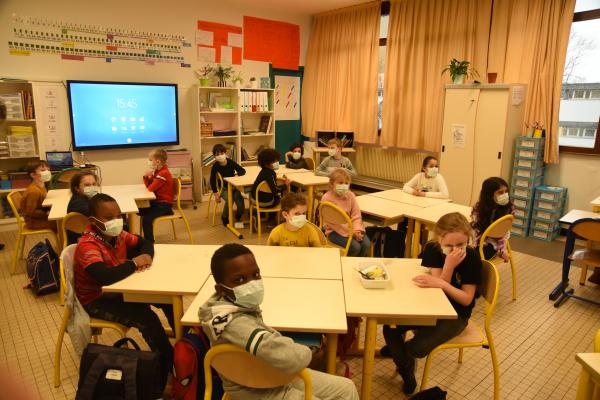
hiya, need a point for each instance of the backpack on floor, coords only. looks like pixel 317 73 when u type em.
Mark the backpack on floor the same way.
pixel 387 242
pixel 43 269
pixel 188 368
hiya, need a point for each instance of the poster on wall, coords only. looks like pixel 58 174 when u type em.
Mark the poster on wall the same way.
pixel 78 42
pixel 272 41
pixel 287 98
pixel 219 43
pixel 459 137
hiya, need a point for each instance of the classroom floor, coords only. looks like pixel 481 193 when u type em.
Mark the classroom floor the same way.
pixel 536 343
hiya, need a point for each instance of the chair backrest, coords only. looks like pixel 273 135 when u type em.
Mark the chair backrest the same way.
pixel 497 230
pixel 263 187
pixel 67 276
pixel 331 213
pixel 237 365
pixel 74 222
pixel 178 193
pixel 14 200
pixel 310 163
pixel 490 283
pixel 322 237
pixel 588 229
pixel 220 184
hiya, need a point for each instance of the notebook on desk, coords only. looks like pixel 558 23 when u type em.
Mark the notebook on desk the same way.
pixel 59 160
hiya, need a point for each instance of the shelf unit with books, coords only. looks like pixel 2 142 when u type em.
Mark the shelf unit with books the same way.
pixel 243 120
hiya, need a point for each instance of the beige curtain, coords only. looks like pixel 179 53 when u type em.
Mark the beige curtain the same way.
pixel 423 36
pixel 528 44
pixel 339 90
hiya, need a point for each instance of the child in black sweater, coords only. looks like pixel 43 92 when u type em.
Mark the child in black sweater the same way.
pixel 226 167
pixel 268 160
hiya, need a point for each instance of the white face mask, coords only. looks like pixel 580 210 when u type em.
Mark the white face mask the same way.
pixel 331 152
pixel 91 191
pixel 112 228
pixel 45 176
pixel 448 249
pixel 298 221
pixel 221 158
pixel 248 295
pixel 150 164
pixel 342 188
pixel 275 165
pixel 503 199
pixel 296 155
pixel 432 172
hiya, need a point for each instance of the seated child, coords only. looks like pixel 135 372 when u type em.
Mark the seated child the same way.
pixel 335 160
pixel 268 160
pixel 107 254
pixel 227 168
pixel 295 231
pixel 233 315
pixel 494 203
pixel 428 182
pixel 294 158
pixel 31 209
pixel 84 186
pixel 456 269
pixel 158 180
pixel 339 194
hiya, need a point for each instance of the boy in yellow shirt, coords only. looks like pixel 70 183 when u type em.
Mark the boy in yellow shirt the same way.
pixel 295 231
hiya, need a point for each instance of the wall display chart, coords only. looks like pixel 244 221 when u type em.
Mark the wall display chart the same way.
pixel 219 43
pixel 78 41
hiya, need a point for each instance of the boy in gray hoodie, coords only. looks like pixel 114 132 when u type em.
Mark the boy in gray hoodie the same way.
pixel 233 315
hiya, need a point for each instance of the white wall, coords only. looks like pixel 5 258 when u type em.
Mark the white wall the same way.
pixel 123 166
pixel 580 174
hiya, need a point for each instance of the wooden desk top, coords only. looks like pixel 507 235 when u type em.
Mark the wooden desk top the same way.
pixel 301 305
pixel 383 208
pixel 591 363
pixel 402 197
pixel 574 215
pixel 252 172
pixel 125 195
pixel 178 269
pixel 401 299
pixel 595 202
pixel 431 215
pixel 309 179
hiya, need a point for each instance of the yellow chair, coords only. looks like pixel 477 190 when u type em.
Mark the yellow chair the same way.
pixel 473 336
pixel 217 195
pixel 588 257
pixel 331 213
pixel 263 187
pixel 237 365
pixel 66 269
pixel 74 222
pixel 497 230
pixel 322 237
pixel 14 199
pixel 177 214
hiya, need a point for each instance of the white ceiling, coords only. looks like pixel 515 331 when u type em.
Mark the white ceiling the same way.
pixel 310 7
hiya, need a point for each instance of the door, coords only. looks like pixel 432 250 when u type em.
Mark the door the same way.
pixel 287 132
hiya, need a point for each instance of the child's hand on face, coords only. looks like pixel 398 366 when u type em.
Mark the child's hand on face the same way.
pixel 359 235
pixel 455 257
pixel 429 281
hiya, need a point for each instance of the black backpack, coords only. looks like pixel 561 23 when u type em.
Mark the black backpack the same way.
pixel 115 373
pixel 387 242
pixel 43 269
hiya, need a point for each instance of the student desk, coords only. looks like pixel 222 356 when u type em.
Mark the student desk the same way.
pixel 296 305
pixel 576 215
pixel 401 303
pixel 400 196
pixel 589 380
pixel 129 198
pixel 309 180
pixel 596 204
pixel 177 271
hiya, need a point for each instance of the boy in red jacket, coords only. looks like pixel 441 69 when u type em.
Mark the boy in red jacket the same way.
pixel 158 179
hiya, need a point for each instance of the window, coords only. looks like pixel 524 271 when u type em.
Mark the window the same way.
pixel 383 34
pixel 579 114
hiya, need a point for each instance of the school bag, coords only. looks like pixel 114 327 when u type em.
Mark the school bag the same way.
pixel 43 269
pixel 387 242
pixel 115 373
pixel 188 368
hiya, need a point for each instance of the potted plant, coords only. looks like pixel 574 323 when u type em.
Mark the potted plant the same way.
pixel 222 73
pixel 253 83
pixel 459 71
pixel 203 75
pixel 237 79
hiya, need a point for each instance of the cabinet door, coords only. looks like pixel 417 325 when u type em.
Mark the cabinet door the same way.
pixel 456 161
pixel 490 129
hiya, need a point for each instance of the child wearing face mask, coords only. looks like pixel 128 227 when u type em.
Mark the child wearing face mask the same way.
pixel 31 209
pixel 295 231
pixel 335 160
pixel 268 160
pixel 107 254
pixel 84 186
pixel 339 194
pixel 428 182
pixel 294 159
pixel 158 179
pixel 494 203
pixel 233 316
pixel 456 269
pixel 227 168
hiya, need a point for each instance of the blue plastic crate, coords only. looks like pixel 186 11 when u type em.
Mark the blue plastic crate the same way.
pixel 554 206
pixel 521 221
pixel 521 193
pixel 522 212
pixel 546 215
pixel 530 142
pixel 553 194
pixel 525 172
pixel 528 153
pixel 526 183
pixel 544 225
pixel 525 204
pixel 525 163
pixel 517 230
pixel 542 234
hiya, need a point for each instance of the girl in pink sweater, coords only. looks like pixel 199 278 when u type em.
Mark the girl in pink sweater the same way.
pixel 339 194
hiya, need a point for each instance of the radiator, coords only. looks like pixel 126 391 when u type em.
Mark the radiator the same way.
pixel 393 165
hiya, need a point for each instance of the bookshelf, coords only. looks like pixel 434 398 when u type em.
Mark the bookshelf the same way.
pixel 243 119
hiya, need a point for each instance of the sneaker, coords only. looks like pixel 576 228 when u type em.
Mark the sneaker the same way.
pixel 239 225
pixel 595 277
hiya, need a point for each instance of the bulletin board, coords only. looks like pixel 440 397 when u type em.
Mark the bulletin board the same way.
pixel 272 41
pixel 219 43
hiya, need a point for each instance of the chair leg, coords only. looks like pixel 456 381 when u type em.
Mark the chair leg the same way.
pixel 22 248
pixel 584 269
pixel 208 208
pixel 496 369
pixel 58 350
pixel 13 266
pixel 513 272
pixel 259 230
pixel 189 231
pixel 251 217
pixel 460 355
pixel 174 232
pixel 426 369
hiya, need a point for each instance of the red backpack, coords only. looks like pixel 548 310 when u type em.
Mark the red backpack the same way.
pixel 188 368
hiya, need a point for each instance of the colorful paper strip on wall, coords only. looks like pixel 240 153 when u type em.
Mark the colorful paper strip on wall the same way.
pixel 272 41
pixel 219 43
pixel 78 42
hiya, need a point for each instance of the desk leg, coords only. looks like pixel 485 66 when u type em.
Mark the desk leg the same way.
pixel 332 344
pixel 416 240
pixel 596 209
pixel 585 389
pixel 369 358
pixel 133 223
pixel 310 194
pixel 409 238
pixel 177 315
pixel 230 225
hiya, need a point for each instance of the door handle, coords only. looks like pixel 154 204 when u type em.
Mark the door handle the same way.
pixel 443 148
pixel 499 155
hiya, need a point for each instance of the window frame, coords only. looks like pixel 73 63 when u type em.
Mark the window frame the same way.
pixel 385 10
pixel 579 17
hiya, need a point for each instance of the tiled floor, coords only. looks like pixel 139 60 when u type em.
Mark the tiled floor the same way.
pixel 536 343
